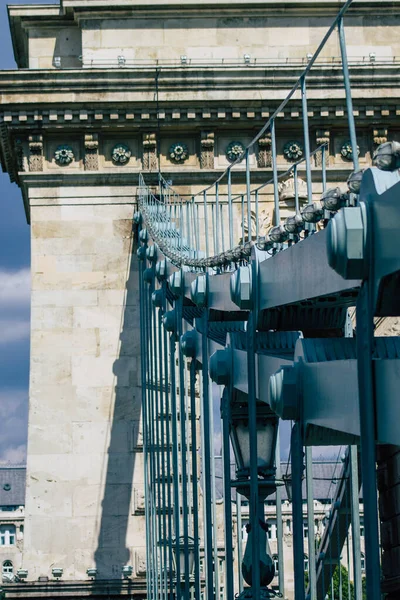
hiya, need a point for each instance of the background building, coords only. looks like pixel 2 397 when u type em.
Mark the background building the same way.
pixel 12 514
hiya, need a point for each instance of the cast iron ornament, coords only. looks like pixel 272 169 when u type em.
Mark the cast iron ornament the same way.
pixel 293 151
pixel 346 151
pixel 64 155
pixel 234 150
pixel 121 154
pixel 178 152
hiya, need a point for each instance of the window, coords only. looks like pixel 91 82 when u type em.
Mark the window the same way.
pixel 271 530
pixel 7 535
pixel 306 564
pixel 362 563
pixel 361 526
pixel 288 526
pixel 305 529
pixel 8 568
pixel 276 564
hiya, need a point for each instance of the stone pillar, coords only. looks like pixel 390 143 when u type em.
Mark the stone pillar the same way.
pixel 36 153
pixel 150 162
pixel 322 136
pixel 91 152
pixel 264 156
pixel 207 150
pixel 85 401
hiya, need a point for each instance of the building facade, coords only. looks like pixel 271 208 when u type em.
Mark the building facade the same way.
pixel 104 91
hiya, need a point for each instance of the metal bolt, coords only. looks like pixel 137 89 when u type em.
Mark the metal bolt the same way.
pixel 199 290
pixel 144 235
pixel 346 242
pixel 148 275
pixel 169 321
pixel 157 298
pixel 137 217
pixel 176 282
pixel 161 269
pixel 283 393
pixel 141 253
pixel 241 288
pixel 221 366
pixel 151 253
pixel 189 344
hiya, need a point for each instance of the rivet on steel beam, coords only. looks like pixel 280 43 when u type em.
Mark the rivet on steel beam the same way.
pixel 346 240
pixel 221 366
pixel 199 290
pixel 283 393
pixel 161 269
pixel 189 344
pixel 176 282
pixel 151 253
pixel 157 298
pixel 241 288
pixel 144 235
pixel 169 321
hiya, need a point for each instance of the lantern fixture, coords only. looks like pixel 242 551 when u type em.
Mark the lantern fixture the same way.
pixel 179 553
pixel 267 427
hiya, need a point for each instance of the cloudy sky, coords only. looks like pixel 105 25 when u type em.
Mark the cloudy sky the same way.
pixel 14 298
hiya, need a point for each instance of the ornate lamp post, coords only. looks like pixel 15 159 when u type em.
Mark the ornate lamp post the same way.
pixel 266 433
pixel 179 554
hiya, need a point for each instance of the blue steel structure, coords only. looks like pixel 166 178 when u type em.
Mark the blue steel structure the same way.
pixel 266 319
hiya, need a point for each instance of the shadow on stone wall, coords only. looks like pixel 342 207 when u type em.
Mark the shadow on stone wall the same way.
pixel 112 552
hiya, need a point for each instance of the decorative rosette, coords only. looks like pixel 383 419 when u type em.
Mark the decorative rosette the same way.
pixel 346 151
pixel 121 154
pixel 178 152
pixel 234 150
pixel 64 155
pixel 293 151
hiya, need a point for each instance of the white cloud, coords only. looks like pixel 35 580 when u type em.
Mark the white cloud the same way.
pixel 14 456
pixel 13 330
pixel 15 288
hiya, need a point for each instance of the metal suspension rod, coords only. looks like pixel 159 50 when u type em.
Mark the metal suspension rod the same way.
pixel 182 417
pixel 279 522
pixel 144 412
pixel 306 138
pixel 275 173
pixel 297 504
pixel 230 210
pixel 175 459
pixel 349 101
pixel 248 196
pixel 310 522
pixel 366 386
pixel 207 464
pixel 225 412
pixel 168 443
pixel 194 479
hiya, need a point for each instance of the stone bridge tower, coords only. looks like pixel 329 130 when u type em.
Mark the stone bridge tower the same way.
pixel 103 91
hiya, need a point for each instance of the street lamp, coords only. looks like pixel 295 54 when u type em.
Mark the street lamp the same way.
pixel 266 435
pixel 266 439
pixel 179 549
pixel 179 553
